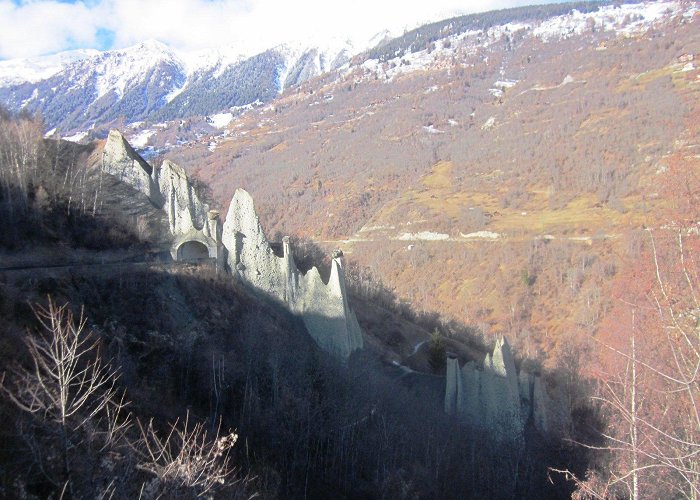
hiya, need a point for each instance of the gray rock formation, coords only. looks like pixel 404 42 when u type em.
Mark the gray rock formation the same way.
pixel 497 399
pixel 194 231
pixel 323 307
pixel 120 160
pixel 454 392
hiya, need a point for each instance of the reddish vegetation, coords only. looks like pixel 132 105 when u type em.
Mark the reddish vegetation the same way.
pixel 588 177
pixel 649 349
pixel 569 168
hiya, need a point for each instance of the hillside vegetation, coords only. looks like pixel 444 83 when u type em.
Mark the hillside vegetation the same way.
pixel 546 189
pixel 519 166
pixel 540 182
pixel 158 379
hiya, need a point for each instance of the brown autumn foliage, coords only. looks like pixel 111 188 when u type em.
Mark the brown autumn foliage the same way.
pixel 649 352
pixel 568 168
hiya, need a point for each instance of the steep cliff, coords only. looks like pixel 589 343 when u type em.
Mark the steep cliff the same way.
pixel 323 307
pixel 498 399
pixel 168 188
pixel 120 160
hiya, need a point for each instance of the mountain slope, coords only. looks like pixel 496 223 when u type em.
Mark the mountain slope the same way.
pixel 78 91
pixel 518 158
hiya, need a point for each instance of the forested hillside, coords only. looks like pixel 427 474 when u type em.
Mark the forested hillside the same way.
pixel 519 168
pixel 519 185
pixel 504 174
pixel 134 377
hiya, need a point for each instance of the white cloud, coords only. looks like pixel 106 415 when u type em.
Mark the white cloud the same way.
pixel 35 28
pixel 38 27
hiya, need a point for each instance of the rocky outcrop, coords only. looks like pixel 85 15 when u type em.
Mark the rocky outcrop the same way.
pixel 120 160
pixel 168 188
pixel 495 398
pixel 195 232
pixel 323 306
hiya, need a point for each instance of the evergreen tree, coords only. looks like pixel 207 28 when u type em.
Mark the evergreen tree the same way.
pixel 436 352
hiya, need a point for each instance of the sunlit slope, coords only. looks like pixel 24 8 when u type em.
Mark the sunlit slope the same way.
pixel 494 186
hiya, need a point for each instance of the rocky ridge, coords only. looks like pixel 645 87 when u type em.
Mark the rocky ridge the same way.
pixel 494 397
pixel 240 246
pixel 167 188
pixel 323 306
pixel 491 395
pixel 87 89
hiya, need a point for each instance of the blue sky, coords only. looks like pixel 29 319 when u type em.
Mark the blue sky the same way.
pixel 30 28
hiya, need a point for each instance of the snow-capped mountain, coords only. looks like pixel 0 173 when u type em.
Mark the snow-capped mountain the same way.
pixel 77 90
pixel 18 71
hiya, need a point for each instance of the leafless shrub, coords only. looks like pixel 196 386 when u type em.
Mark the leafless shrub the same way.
pixel 185 458
pixel 68 383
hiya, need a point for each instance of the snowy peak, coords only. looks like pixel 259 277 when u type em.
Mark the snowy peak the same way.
pixel 200 61
pixel 117 71
pixel 151 80
pixel 17 71
pixel 303 61
pixel 78 90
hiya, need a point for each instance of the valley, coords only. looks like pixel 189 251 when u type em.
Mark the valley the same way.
pixel 516 158
pixel 463 259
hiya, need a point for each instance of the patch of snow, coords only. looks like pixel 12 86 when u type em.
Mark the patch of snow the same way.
pixel 506 83
pixel 141 139
pixel 489 124
pixel 453 123
pixel 567 80
pixel 483 235
pixel 365 229
pixel 688 67
pixel 220 120
pixel 77 137
pixel 50 133
pixel 424 236
pixel 175 92
pixel 432 130
pixel 32 97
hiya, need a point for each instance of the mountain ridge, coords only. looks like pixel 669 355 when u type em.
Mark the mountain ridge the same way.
pixel 151 81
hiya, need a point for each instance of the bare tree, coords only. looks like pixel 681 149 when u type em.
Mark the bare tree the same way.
pixel 68 387
pixel 81 429
pixel 650 386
